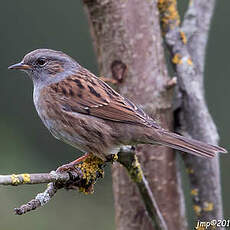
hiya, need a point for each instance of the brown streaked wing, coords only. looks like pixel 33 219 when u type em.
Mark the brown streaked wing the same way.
pixel 87 94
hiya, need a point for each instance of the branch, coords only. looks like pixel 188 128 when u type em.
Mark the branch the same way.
pixel 128 159
pixel 83 176
pixel 187 46
pixel 38 178
pixel 40 200
pixel 196 26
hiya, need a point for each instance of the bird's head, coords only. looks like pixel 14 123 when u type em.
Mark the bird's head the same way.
pixel 46 65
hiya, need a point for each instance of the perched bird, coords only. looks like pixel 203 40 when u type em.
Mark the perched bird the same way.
pixel 83 111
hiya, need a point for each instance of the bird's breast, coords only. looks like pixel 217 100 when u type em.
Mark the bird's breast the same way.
pixel 82 131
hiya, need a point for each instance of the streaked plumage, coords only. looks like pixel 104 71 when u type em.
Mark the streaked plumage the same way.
pixel 83 111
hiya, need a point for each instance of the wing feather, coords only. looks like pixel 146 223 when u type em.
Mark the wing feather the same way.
pixel 84 93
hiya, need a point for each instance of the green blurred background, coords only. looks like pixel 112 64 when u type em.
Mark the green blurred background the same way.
pixel 26 145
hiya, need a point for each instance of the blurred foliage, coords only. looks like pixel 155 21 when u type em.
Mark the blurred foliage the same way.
pixel 26 145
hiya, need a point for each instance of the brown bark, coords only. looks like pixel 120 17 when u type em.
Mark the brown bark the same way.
pixel 128 32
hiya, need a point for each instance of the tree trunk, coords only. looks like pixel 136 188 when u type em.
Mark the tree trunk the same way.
pixel 128 44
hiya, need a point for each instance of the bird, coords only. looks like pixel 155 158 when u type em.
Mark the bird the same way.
pixel 83 111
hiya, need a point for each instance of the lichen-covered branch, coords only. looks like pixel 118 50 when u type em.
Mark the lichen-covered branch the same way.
pixel 187 45
pixel 129 160
pixel 40 200
pixel 39 178
pixel 83 177
pixel 196 26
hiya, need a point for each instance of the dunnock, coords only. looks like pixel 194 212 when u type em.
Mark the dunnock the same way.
pixel 83 111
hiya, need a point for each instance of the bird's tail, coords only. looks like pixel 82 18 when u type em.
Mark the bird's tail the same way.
pixel 188 145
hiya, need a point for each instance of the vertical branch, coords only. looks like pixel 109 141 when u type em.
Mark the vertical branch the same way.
pixel 129 160
pixel 196 26
pixel 127 33
pixel 187 45
pixel 206 178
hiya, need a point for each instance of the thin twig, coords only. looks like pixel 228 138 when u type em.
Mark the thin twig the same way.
pixel 35 178
pixel 40 200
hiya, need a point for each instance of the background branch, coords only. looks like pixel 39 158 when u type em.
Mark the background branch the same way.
pixel 187 45
pixel 196 25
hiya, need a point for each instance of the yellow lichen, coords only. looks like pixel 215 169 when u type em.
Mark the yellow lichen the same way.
pixel 26 178
pixel 84 190
pixel 169 16
pixel 177 59
pixel 15 179
pixel 194 192
pixel 90 169
pixel 183 37
pixel 136 171
pixel 115 157
pixel 201 228
pixel 189 61
pixel 208 206
pixel 90 166
pixel 189 170
pixel 197 209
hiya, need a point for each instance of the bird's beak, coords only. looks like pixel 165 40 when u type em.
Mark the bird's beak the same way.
pixel 20 65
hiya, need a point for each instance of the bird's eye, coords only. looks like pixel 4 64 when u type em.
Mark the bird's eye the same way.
pixel 41 61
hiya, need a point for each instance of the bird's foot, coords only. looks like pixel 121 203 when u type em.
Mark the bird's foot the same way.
pixel 71 166
pixel 88 169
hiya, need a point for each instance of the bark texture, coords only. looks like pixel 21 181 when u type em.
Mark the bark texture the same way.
pixel 128 33
pixel 196 119
pixel 187 44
